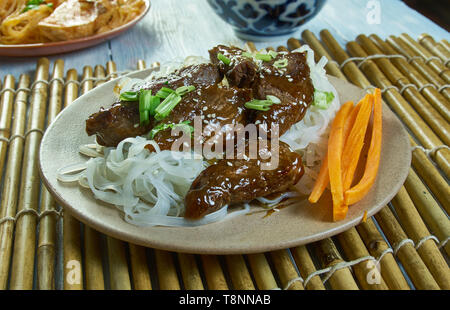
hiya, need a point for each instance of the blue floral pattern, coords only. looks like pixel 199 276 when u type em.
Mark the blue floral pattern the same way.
pixel 266 17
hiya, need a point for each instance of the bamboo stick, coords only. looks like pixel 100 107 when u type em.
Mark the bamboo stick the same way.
pixel 377 246
pixel 282 48
pixel 6 109
pixel 11 183
pixel 429 210
pixel 407 254
pixel 285 270
pixel 215 279
pixel 240 277
pixel 445 44
pixel 434 64
pixel 293 44
pixel 92 241
pixel 354 248
pixel 419 64
pixel 433 47
pixel 167 274
pixel 139 268
pixel 71 227
pixel 432 177
pixel 408 115
pixel 434 97
pixel 416 230
pixel 189 272
pixel 25 232
pixel 93 260
pixel 261 272
pixel 118 266
pixel 47 225
pixel 432 117
pixel 329 256
pixel 331 67
pixel 306 267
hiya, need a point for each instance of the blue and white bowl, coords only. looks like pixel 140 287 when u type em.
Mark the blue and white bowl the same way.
pixel 262 19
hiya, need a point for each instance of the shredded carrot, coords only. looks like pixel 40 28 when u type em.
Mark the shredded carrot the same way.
pixel 356 193
pixel 355 141
pixel 323 178
pixel 335 148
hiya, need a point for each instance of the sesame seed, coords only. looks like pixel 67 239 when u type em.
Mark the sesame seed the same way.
pixel 205 108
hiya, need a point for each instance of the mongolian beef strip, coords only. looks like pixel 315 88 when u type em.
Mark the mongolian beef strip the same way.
pixel 290 84
pixel 286 77
pixel 231 181
pixel 216 107
pixel 121 121
pixel 241 71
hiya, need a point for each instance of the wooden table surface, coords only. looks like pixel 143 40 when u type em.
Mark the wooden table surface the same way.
pixel 178 28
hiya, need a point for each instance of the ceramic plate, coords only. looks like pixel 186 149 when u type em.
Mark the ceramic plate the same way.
pixel 51 48
pixel 297 224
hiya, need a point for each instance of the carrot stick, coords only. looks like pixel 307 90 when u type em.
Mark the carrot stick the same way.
pixel 357 192
pixel 335 148
pixel 324 177
pixel 355 141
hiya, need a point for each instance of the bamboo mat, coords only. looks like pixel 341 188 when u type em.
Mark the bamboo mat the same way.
pixel 43 248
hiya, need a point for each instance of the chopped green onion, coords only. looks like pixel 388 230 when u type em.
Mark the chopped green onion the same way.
pixel 129 96
pixel 154 103
pixel 34 4
pixel 164 92
pixel 272 53
pixel 224 59
pixel 274 99
pixel 162 126
pixel 322 99
pixel 164 109
pixel 281 63
pixel 183 90
pixel 247 54
pixel 144 100
pixel 263 57
pixel 260 105
pixel 144 118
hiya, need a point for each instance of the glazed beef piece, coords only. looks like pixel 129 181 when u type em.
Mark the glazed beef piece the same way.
pixel 121 121
pixel 115 124
pixel 241 71
pixel 242 180
pixel 216 107
pixel 292 85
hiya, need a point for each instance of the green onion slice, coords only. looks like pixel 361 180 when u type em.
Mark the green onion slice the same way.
pixel 165 107
pixel 272 53
pixel 274 99
pixel 34 4
pixel 183 90
pixel 164 92
pixel 223 59
pixel 281 63
pixel 263 57
pixel 129 96
pixel 322 99
pixel 162 126
pixel 144 118
pixel 154 103
pixel 260 105
pixel 247 54
pixel 144 100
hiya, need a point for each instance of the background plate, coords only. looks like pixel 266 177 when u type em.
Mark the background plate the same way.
pixel 297 224
pixel 43 49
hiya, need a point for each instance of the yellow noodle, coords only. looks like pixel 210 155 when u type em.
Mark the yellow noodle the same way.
pixel 18 27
